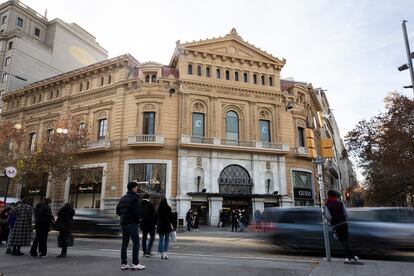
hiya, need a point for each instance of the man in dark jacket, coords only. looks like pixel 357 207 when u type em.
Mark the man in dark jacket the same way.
pixel 44 218
pixel 148 222
pixel 128 210
pixel 337 215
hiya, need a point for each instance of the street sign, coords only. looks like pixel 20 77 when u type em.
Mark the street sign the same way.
pixel 10 172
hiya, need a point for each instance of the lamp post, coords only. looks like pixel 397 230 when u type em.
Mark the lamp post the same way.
pixel 410 56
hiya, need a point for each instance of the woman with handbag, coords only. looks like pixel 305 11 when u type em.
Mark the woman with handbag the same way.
pixel 64 226
pixel 165 221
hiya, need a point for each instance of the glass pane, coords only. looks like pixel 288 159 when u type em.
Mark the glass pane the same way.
pixel 264 131
pixel 198 124
pixel 232 126
pixel 149 123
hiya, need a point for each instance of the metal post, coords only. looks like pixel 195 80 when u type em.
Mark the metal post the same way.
pixel 319 162
pixel 7 190
pixel 407 47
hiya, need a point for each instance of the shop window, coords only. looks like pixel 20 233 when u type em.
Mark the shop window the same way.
pixel 151 179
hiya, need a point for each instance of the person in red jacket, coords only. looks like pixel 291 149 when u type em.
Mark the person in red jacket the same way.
pixel 337 215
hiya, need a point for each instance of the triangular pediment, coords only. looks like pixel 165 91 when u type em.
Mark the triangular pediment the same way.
pixel 232 45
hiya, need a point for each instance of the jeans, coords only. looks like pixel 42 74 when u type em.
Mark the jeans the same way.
pixel 343 236
pixel 130 231
pixel 146 247
pixel 42 231
pixel 164 242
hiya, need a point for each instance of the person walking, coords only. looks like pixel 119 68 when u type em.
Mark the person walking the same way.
pixel 221 219
pixel 196 220
pixel 128 211
pixel 189 219
pixel 4 227
pixel 164 227
pixel 22 230
pixel 11 220
pixel 44 218
pixel 337 215
pixel 258 220
pixel 64 224
pixel 148 223
pixel 234 220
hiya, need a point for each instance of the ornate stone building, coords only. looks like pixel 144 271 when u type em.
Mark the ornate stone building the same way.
pixel 216 129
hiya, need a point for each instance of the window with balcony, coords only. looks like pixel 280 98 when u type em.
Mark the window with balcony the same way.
pixel 102 128
pixel 198 124
pixel 148 127
pixel 264 131
pixel 301 137
pixel 232 126
pixel 32 141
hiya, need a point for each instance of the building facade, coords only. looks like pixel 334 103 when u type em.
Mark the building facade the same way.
pixel 33 48
pixel 215 130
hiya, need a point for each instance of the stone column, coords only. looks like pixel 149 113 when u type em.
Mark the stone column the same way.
pixel 215 205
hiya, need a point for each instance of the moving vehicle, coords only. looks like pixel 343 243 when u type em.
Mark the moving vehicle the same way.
pixel 371 229
pixel 94 222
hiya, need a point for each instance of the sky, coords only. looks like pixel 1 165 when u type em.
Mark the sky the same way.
pixel 351 48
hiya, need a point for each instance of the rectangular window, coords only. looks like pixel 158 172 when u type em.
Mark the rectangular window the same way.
pixel 10 45
pixel 149 123
pixel 7 61
pixel 301 137
pixel 37 32
pixel 264 131
pixel 198 124
pixel 19 22
pixel 80 87
pixel 32 141
pixel 87 85
pixel 50 133
pixel 3 21
pixel 4 77
pixel 102 127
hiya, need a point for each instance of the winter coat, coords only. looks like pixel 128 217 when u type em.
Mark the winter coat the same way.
pixel 43 215
pixel 148 215
pixel 4 228
pixel 165 220
pixel 22 229
pixel 64 221
pixel 128 208
pixel 335 212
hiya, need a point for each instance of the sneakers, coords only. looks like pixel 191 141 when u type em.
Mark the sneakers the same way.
pixel 137 267
pixel 347 260
pixel 124 267
pixel 356 258
pixel 148 255
pixel 164 256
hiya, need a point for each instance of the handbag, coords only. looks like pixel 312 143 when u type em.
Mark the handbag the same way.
pixel 69 240
pixel 173 236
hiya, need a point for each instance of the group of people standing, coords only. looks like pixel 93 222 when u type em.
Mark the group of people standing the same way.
pixel 17 228
pixel 238 219
pixel 193 219
pixel 135 213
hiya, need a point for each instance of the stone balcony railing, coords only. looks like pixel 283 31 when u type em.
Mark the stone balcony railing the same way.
pixel 301 151
pixel 233 144
pixel 145 140
pixel 99 145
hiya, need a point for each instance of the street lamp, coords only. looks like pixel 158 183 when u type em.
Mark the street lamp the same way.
pixel 62 130
pixel 410 56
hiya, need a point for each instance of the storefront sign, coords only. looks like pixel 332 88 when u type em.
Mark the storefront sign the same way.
pixel 235 181
pixel 303 193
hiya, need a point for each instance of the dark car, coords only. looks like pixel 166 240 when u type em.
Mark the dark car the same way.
pixel 94 222
pixel 371 229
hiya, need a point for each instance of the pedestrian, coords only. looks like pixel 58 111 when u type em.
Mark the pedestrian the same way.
pixel 11 220
pixel 234 220
pixel 148 223
pixel 4 228
pixel 128 211
pixel 258 220
pixel 337 215
pixel 44 219
pixel 196 220
pixel 189 219
pixel 242 220
pixel 164 227
pixel 22 230
pixel 221 219
pixel 64 224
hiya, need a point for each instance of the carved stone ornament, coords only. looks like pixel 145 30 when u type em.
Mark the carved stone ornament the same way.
pixel 198 106
pixel 102 114
pixel 268 165
pixel 199 162
pixel 264 113
pixel 149 107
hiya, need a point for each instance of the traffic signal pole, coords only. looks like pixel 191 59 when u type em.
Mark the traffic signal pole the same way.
pixel 319 162
pixel 407 47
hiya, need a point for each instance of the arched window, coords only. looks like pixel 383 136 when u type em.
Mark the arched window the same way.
pixel 218 74
pixel 254 79
pixel 190 69
pixel 208 72
pixel 147 78
pixel 245 79
pixel 236 76
pixel 232 126
pixel 153 78
pixel 198 70
pixel 270 81
pixel 262 80
pixel 80 86
pixel 227 75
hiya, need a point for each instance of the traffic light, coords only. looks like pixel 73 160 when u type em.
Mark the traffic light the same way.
pixel 326 147
pixel 310 143
pixel 403 67
pixel 347 195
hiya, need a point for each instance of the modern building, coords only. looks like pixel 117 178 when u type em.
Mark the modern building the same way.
pixel 216 129
pixel 33 48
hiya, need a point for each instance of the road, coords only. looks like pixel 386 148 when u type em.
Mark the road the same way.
pixel 194 253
